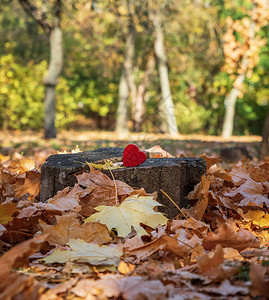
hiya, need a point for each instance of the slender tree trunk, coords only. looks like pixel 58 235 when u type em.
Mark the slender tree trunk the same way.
pixel 56 57
pixel 230 100
pixel 51 80
pixel 122 111
pixel 230 103
pixel 126 81
pixel 166 104
pixel 264 149
pixel 138 102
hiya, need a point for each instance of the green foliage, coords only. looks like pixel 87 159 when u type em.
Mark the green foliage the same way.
pixel 190 116
pixel 94 42
pixel 22 95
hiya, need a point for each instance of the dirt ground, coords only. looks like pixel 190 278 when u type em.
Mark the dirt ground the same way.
pixel 29 143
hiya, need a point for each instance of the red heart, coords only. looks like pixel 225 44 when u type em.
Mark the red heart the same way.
pixel 132 156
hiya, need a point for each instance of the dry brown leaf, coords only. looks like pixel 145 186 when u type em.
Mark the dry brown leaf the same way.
pixel 211 266
pixel 190 223
pixel 6 212
pixel 113 286
pixel 176 246
pixel 198 210
pixel 18 256
pixel 196 252
pixel 232 254
pixel 228 237
pixel 239 174
pixel 226 289
pixel 69 227
pixel 209 262
pixel 31 184
pixel 133 243
pixel 160 150
pixel 210 161
pixel 65 200
pixel 259 285
pixel 252 192
pixel 103 190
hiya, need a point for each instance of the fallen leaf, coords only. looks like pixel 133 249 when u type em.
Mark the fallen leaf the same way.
pixel 232 254
pixel 68 227
pixel 180 248
pixel 130 213
pixel 31 184
pixel 198 210
pixel 228 237
pixel 210 161
pixel 190 223
pixel 112 286
pixel 253 194
pixel 259 284
pixel 257 217
pixel 158 149
pixel 102 190
pixel 86 252
pixel 6 212
pixel 210 264
pixel 226 289
pixel 66 200
pixel 18 255
pixel 125 268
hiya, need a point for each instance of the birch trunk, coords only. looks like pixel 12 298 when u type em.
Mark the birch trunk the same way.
pixel 230 100
pixel 51 80
pixel 166 104
pixel 230 103
pixel 122 111
pixel 138 102
pixel 126 82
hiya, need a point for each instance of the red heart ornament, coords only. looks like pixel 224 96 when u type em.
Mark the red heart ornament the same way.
pixel 132 156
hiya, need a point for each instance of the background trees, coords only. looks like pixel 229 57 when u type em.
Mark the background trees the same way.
pixel 94 85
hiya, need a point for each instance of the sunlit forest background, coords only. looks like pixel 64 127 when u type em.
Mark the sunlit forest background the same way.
pixel 208 45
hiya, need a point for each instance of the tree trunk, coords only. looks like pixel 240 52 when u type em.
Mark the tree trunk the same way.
pixel 126 81
pixel 138 102
pixel 122 111
pixel 265 135
pixel 230 102
pixel 51 80
pixel 166 104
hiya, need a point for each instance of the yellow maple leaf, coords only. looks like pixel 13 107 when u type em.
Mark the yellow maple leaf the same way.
pixel 131 212
pixel 86 252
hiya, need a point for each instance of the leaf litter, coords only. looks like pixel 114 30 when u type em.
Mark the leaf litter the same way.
pixel 88 242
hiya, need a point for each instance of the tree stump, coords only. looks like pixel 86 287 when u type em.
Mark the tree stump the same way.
pixel 176 176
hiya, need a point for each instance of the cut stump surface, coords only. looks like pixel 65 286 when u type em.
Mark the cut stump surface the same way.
pixel 176 176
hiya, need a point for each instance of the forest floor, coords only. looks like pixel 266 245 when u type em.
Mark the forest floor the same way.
pixel 217 248
pixel 29 142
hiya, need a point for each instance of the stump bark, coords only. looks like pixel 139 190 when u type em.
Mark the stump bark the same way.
pixel 176 176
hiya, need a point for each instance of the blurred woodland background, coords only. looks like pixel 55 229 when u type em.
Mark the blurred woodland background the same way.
pixel 173 66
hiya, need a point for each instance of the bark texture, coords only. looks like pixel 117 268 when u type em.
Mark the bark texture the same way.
pixel 166 104
pixel 127 84
pixel 230 100
pixel 230 103
pixel 51 80
pixel 53 30
pixel 176 176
